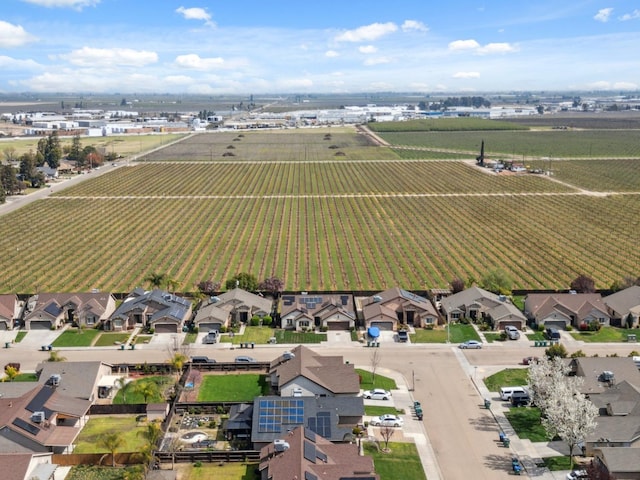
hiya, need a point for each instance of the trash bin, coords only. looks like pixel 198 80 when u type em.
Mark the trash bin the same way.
pixel 502 436
pixel 132 346
pixel 368 343
pixel 7 344
pixel 487 403
pixel 50 347
pixel 122 346
pixel 506 442
pixel 43 348
pixel 253 345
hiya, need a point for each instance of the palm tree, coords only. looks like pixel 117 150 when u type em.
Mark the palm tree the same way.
pixel 147 389
pixel 152 433
pixel 156 280
pixel 122 384
pixel 177 362
pixel 112 441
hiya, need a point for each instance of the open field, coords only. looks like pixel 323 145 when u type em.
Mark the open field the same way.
pixel 326 224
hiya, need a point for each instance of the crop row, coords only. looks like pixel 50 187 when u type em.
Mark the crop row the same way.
pixel 322 178
pixel 528 144
pixel 319 243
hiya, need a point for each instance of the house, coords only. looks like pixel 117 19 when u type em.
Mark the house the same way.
pixel 27 466
pixel 46 311
pixel 618 463
pixel 306 373
pixel 391 308
pixel 41 420
pixel 305 455
pixel 479 306
pixel 559 310
pixel 308 312
pixel 157 309
pixel 10 309
pixel 624 307
pixel 334 418
pixel 236 305
pixel 82 380
pixel 591 370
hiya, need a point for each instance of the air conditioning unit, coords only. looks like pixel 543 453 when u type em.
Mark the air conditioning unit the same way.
pixel 38 417
pixel 280 445
pixel 55 379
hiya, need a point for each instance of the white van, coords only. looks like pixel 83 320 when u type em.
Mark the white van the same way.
pixel 506 392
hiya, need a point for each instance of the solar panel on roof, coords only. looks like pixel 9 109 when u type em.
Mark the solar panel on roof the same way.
pixel 321 455
pixel 37 403
pixel 309 451
pixel 309 435
pixel 344 299
pixel 26 426
pixel 309 476
pixel 275 413
pixel 412 296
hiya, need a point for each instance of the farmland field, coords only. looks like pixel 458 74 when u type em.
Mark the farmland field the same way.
pixel 368 220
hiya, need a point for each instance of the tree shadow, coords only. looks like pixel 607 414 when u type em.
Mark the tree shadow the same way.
pixel 485 423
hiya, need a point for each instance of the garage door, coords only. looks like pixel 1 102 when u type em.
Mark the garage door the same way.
pixel 387 326
pixel 40 325
pixel 338 325
pixel 166 328
pixel 205 327
pixel 559 324
pixel 3 326
pixel 513 323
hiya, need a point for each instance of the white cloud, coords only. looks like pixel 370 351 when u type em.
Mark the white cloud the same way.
pixel 367 49
pixel 77 4
pixel 13 35
pixel 466 75
pixel 367 33
pixel 196 62
pixel 14 63
pixel 603 15
pixel 294 83
pixel 196 13
pixel 490 48
pixel 625 86
pixel 605 85
pixel 414 26
pixel 464 45
pixel 177 80
pixel 630 16
pixel 107 57
pixel 331 54
pixel 376 61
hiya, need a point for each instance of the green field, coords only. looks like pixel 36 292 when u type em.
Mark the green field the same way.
pixel 364 221
pixel 232 388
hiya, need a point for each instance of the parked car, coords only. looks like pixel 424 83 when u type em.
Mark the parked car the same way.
pixel 387 420
pixel 211 337
pixel 520 399
pixel 577 474
pixel 512 332
pixel 471 344
pixel 245 359
pixel 202 359
pixel 403 336
pixel 377 394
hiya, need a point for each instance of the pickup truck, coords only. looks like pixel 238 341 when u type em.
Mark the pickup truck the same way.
pixel 211 337
pixel 403 336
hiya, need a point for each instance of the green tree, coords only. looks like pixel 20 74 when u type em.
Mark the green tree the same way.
pixel 112 441
pixel 75 152
pixel 49 150
pixel 557 350
pixel 245 281
pixel 177 361
pixel 10 154
pixel 497 281
pixel 156 280
pixel 123 385
pixel 147 389
pixel 8 179
pixel 583 284
pixel 11 372
pixel 54 356
pixel 29 171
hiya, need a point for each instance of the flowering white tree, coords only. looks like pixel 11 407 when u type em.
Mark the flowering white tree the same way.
pixel 565 411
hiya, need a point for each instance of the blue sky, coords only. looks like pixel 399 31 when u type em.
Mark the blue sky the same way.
pixel 346 46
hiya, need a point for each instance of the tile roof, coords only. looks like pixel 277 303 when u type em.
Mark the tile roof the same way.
pixel 8 306
pixel 590 369
pixel 311 456
pixel 624 301
pixel 541 305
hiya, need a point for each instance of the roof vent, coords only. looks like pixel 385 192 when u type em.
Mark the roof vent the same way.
pixel 280 445
pixel 607 376
pixel 377 298
pixel 55 379
pixel 215 299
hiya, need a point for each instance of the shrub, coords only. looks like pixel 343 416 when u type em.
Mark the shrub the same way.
pixel 267 320
pixel 428 326
pixel 503 336
pixel 255 321
pixel 569 328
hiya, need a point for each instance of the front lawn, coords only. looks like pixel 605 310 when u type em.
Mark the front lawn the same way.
pixel 526 422
pixel 287 336
pixel 76 337
pixel 606 335
pixel 190 338
pixel 536 336
pixel 557 463
pixel 458 333
pixel 402 461
pixel 111 339
pixel 493 337
pixel 509 377
pixel 133 392
pixel 89 439
pixel 232 388
pixel 26 377
pixel 367 382
pixel 376 411
pixel 21 334
pixel 257 335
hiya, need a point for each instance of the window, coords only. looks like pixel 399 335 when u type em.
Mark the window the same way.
pixel 455 316
pixel 91 319
pixel 289 322
pixel 304 323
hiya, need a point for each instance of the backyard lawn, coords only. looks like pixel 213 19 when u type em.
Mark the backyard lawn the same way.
pixel 89 438
pixel 225 471
pixel 509 377
pixel 76 338
pixel 367 382
pixel 133 393
pixel 91 472
pixel 402 461
pixel 232 388
pixel 459 333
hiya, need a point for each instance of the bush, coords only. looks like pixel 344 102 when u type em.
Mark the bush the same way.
pixel 428 326
pixel 569 328
pixel 267 320
pixel 255 321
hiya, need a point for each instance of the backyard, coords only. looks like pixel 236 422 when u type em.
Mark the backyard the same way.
pixel 145 390
pixel 89 439
pixel 232 388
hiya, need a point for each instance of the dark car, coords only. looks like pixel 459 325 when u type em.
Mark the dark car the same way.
pixel 403 336
pixel 202 359
pixel 520 399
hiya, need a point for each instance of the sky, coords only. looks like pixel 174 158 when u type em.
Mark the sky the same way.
pixel 348 46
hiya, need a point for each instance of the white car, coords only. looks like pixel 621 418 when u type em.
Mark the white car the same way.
pixel 387 420
pixel 471 344
pixel 577 474
pixel 377 394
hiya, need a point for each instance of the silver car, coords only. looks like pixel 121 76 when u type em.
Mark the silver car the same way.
pixel 470 344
